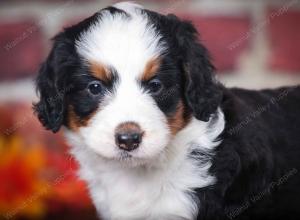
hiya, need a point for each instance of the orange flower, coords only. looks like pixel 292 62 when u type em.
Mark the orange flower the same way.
pixel 21 188
pixel 35 171
pixel 68 190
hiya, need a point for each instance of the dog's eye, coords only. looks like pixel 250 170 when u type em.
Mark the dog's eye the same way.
pixel 155 86
pixel 95 88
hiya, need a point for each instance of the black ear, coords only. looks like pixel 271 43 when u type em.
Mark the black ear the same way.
pixel 51 87
pixel 202 92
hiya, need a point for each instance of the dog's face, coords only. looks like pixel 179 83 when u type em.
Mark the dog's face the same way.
pixel 125 81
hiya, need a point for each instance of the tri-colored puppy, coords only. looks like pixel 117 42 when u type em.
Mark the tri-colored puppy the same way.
pixel 156 136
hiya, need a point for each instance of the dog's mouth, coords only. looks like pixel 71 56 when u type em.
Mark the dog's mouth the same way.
pixel 125 156
pixel 128 158
pixel 132 160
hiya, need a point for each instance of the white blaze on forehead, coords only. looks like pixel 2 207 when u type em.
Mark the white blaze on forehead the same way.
pixel 125 43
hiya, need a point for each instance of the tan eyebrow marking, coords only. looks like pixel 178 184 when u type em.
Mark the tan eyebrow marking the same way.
pixel 151 68
pixel 100 71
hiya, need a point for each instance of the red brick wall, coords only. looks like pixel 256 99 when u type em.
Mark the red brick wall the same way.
pixel 232 32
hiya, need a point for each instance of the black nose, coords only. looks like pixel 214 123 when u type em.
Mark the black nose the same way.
pixel 128 141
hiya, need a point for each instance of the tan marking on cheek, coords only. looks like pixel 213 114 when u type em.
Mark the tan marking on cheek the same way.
pixel 151 69
pixel 75 122
pixel 178 120
pixel 100 71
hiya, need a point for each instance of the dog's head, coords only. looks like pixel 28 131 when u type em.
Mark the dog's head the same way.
pixel 125 81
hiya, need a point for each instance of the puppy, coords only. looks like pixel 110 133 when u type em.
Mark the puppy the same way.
pixel 156 136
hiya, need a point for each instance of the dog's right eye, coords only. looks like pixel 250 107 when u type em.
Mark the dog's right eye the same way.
pixel 95 88
pixel 155 86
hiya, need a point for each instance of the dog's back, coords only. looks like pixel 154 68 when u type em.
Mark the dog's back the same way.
pixel 266 126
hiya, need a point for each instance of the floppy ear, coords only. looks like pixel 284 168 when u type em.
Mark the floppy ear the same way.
pixel 50 85
pixel 202 92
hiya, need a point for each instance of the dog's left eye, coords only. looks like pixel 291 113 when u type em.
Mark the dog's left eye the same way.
pixel 95 88
pixel 155 86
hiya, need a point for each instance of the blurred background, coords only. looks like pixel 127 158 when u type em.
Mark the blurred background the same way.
pixel 254 44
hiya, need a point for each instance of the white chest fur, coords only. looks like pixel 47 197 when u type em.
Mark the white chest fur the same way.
pixel 160 191
pixel 145 194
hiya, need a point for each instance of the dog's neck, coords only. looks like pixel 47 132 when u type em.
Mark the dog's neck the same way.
pixel 160 189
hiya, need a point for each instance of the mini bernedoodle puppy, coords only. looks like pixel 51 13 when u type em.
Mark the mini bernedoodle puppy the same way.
pixel 156 135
